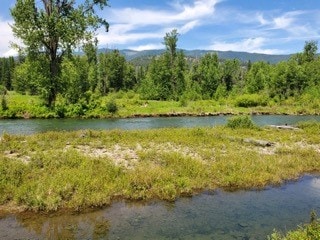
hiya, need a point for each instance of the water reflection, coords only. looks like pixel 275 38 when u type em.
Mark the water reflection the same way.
pixel 211 215
pixel 72 226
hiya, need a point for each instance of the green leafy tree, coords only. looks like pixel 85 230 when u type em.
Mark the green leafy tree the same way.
pixel 156 85
pixel 130 79
pixel 170 42
pixel 178 75
pixel 90 49
pixel 312 73
pixel 114 73
pixel 207 73
pixel 53 28
pixel 231 73
pixel 287 79
pixel 74 77
pixel 165 78
pixel 31 77
pixel 310 51
pixel 7 66
pixel 257 77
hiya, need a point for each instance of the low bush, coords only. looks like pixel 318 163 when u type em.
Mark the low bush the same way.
pixel 250 100
pixel 112 106
pixel 240 122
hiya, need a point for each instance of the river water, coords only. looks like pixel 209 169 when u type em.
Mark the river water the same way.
pixel 30 126
pixel 210 215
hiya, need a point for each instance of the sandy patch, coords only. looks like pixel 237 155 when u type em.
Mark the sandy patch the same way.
pixel 15 155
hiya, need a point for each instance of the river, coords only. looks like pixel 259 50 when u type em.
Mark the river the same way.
pixel 210 215
pixel 31 126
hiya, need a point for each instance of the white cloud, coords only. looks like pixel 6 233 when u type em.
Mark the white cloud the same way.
pixel 121 34
pixel 260 18
pixel 10 53
pixel 6 37
pixel 252 45
pixel 147 47
pixel 188 26
pixel 287 20
pixel 184 13
pixel 129 25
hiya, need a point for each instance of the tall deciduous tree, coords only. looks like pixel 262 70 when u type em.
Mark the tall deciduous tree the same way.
pixel 170 41
pixel 208 74
pixel 53 28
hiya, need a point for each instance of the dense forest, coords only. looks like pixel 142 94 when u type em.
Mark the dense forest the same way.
pixel 70 83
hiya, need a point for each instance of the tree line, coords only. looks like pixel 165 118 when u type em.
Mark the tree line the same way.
pixel 169 76
pixel 47 65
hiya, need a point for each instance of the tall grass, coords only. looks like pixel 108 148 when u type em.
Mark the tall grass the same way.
pixel 122 104
pixel 309 231
pixel 53 170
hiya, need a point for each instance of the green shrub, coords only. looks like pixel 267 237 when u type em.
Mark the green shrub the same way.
pixel 4 104
pixel 250 100
pixel 112 106
pixel 183 102
pixel 240 122
pixel 3 90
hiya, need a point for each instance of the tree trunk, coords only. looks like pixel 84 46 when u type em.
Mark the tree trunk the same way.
pixel 54 74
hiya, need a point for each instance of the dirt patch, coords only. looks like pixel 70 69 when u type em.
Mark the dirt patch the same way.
pixel 15 155
pixel 128 157
pixel 315 147
pixel 168 147
pixel 121 156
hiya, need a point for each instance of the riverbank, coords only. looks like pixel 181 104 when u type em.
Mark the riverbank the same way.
pixel 129 105
pixel 81 169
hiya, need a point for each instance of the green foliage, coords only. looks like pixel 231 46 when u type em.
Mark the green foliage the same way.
pixel 60 106
pixel 240 122
pixel 74 77
pixel 231 73
pixel 7 66
pixel 165 77
pixel 4 105
pixel 309 126
pixel 250 100
pixel 32 76
pixel 54 29
pixel 257 77
pixel 207 74
pixel 221 92
pixel 80 169
pixel 309 231
pixel 112 106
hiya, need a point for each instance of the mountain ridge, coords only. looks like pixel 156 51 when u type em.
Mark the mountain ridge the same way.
pixel 132 55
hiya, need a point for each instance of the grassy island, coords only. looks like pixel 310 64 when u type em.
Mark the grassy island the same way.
pixel 75 170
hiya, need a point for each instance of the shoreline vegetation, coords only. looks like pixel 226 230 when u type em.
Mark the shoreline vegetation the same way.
pixel 129 105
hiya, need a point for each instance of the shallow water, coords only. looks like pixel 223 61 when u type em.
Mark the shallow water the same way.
pixel 31 126
pixel 210 215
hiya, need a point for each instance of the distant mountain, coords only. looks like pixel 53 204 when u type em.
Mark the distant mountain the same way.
pixel 145 55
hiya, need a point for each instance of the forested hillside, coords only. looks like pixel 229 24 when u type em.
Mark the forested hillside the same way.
pixel 145 55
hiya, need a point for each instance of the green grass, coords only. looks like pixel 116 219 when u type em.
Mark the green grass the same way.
pixel 76 170
pixel 129 104
pixel 309 231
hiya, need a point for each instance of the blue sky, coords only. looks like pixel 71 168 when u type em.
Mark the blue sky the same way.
pixel 261 26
